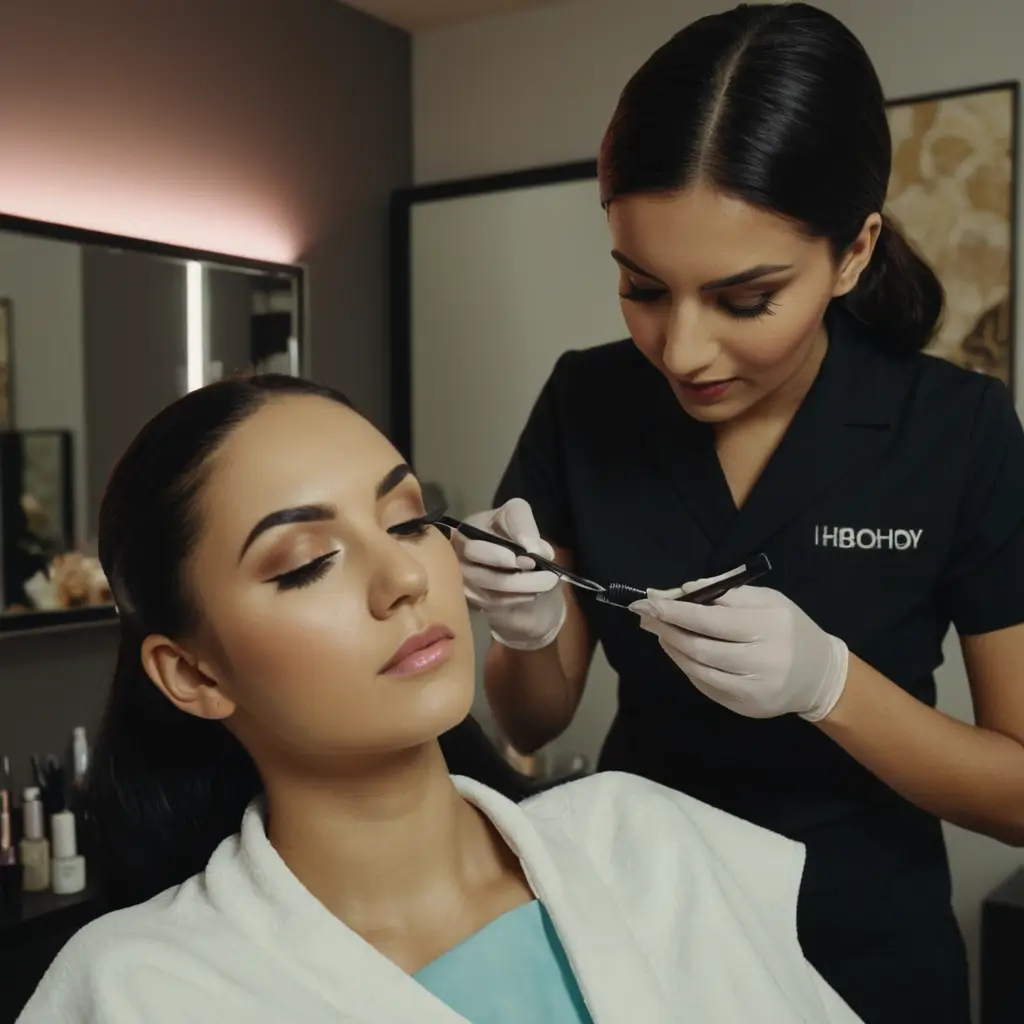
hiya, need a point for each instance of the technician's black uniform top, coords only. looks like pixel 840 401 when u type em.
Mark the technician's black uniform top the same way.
pixel 893 506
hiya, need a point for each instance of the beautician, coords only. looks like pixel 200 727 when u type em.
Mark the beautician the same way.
pixel 773 397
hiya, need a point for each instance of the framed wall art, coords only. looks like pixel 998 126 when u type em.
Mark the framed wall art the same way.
pixel 953 192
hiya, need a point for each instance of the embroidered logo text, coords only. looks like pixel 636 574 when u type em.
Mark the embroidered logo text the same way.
pixel 866 539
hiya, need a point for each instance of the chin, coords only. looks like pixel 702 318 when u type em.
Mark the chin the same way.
pixel 727 408
pixel 443 701
pixel 718 412
pixel 408 726
pixel 710 414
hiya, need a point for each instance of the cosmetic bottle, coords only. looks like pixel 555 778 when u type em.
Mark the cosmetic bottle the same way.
pixel 67 868
pixel 79 757
pixel 34 846
pixel 10 869
pixel 78 795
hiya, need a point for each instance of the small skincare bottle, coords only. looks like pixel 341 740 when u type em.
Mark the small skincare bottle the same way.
pixel 68 866
pixel 10 869
pixel 34 847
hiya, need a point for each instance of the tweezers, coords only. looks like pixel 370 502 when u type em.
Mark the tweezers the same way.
pixel 619 594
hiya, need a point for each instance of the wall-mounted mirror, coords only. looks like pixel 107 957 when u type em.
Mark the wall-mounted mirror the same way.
pixel 97 334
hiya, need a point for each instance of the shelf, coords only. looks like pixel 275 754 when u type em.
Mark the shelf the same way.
pixel 70 618
pixel 45 911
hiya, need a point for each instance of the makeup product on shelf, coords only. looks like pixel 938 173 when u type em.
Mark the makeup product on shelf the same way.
pixel 78 791
pixel 68 865
pixel 10 868
pixel 79 757
pixel 34 846
pixel 52 787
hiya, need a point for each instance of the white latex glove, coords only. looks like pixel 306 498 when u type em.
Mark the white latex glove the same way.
pixel 753 651
pixel 525 610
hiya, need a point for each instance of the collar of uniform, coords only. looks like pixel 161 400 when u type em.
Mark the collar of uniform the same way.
pixel 842 426
pixel 842 421
pixel 857 379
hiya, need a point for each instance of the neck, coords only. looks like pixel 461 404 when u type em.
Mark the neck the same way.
pixel 375 843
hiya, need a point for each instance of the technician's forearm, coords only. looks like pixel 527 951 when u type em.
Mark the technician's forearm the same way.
pixel 530 695
pixel 970 776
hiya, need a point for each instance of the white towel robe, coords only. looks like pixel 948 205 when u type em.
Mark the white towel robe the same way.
pixel 668 909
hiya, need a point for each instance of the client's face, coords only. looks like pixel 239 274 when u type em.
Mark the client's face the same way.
pixel 334 622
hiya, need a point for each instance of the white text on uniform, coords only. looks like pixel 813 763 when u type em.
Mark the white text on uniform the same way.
pixel 867 539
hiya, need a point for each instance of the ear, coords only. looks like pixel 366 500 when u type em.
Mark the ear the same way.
pixel 856 258
pixel 184 680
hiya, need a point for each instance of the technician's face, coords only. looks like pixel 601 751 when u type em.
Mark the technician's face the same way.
pixel 724 298
pixel 314 572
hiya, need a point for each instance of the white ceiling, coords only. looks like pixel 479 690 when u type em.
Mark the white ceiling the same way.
pixel 419 15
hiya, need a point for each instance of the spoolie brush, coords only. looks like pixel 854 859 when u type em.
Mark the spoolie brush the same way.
pixel 621 595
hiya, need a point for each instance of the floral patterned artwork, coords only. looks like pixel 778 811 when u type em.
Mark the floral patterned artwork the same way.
pixel 952 193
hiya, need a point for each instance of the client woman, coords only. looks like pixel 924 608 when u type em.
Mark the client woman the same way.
pixel 294 641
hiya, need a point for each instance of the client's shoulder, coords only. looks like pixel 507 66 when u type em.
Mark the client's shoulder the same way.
pixel 125 953
pixel 131 933
pixel 622 796
pixel 624 819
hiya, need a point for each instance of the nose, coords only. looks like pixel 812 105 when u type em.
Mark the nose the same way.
pixel 689 346
pixel 397 576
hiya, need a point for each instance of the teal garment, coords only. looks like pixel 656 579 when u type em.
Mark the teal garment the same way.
pixel 513 971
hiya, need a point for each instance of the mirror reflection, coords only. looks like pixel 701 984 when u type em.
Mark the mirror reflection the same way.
pixel 94 340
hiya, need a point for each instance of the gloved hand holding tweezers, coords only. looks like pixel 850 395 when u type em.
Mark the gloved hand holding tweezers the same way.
pixel 755 653
pixel 507 565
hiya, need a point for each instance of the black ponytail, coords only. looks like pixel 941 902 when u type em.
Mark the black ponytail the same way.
pixel 778 105
pixel 898 297
pixel 166 787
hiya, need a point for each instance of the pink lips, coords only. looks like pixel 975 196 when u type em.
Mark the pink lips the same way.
pixel 705 393
pixel 422 651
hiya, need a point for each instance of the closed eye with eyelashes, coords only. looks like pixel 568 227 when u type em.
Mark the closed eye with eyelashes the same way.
pixel 743 311
pixel 318 567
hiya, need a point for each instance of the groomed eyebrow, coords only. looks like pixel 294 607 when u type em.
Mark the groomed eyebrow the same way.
pixel 391 479
pixel 285 517
pixel 319 513
pixel 743 277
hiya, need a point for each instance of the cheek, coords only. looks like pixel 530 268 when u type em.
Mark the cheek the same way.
pixel 298 649
pixel 304 664
pixel 446 595
pixel 777 338
pixel 770 344
pixel 646 325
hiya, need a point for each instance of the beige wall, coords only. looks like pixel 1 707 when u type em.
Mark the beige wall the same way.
pixel 537 88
